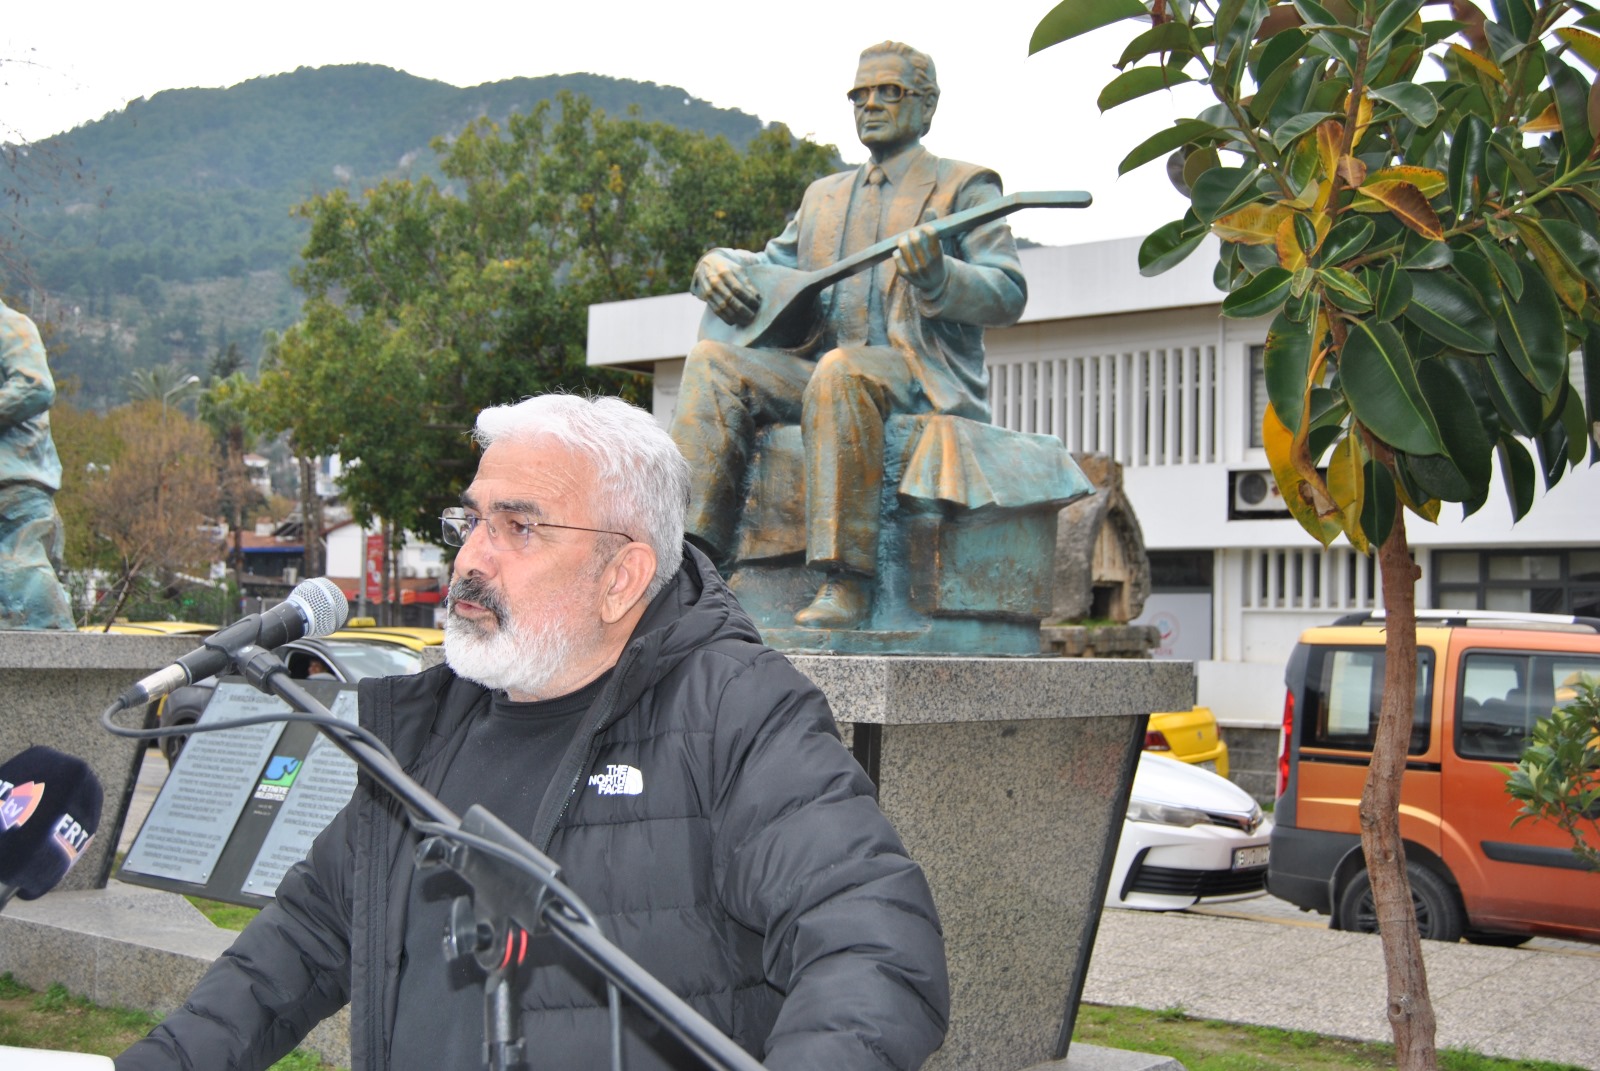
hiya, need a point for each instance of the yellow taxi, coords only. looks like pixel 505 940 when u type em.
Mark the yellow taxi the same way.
pixel 1190 736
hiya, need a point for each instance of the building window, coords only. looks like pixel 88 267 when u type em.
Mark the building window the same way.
pixel 1258 393
pixel 1546 581
pixel 1336 579
pixel 1156 406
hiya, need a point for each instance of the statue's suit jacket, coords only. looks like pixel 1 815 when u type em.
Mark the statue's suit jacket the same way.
pixel 984 287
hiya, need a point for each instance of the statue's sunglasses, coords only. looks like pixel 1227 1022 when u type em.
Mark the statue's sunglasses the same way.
pixel 888 93
pixel 507 530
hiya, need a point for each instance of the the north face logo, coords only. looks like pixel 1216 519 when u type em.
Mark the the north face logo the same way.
pixel 618 781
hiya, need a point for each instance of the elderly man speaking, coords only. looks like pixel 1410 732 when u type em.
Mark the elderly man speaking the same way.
pixel 606 696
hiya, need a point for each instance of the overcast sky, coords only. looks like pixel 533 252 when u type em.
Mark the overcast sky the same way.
pixel 1032 119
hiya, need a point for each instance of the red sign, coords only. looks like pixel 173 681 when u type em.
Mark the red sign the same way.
pixel 375 567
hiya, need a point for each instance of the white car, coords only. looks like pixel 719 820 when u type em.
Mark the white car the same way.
pixel 1190 837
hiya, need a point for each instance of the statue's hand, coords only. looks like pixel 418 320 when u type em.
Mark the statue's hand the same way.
pixel 919 258
pixel 726 288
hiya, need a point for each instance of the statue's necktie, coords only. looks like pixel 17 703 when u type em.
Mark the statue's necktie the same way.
pixel 857 293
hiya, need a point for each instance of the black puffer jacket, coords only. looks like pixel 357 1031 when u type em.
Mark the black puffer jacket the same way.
pixel 753 873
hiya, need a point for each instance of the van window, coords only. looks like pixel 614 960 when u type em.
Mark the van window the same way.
pixel 1503 694
pixel 1344 693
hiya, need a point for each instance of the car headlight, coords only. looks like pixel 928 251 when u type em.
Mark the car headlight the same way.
pixel 1165 814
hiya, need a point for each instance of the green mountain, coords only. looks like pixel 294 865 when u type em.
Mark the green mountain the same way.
pixel 162 233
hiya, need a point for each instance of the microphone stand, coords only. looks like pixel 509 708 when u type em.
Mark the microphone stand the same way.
pixel 516 891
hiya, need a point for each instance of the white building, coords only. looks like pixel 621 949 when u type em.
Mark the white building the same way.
pixel 1148 371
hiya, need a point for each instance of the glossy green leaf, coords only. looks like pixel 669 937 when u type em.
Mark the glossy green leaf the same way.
pixel 1139 82
pixel 1513 167
pixel 1073 18
pixel 1392 18
pixel 1516 471
pixel 1552 447
pixel 1572 104
pixel 1261 295
pixel 1168 37
pixel 1465 467
pixel 1305 233
pixel 1344 289
pixel 1423 254
pixel 1416 102
pixel 1347 238
pixel 1517 16
pixel 1298 127
pixel 1181 133
pixel 1380 381
pixel 1447 309
pixel 1378 503
pixel 1327 415
pixel 1391 291
pixel 1532 333
pixel 1518 404
pixel 1577 428
pixel 1284 47
pixel 1577 246
pixel 1168 245
pixel 1287 362
pixel 1505 269
pixel 1236 26
pixel 1467 172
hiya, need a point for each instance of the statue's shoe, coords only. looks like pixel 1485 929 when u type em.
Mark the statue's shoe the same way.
pixel 840 603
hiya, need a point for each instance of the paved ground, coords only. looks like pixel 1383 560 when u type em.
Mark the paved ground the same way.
pixel 1264 962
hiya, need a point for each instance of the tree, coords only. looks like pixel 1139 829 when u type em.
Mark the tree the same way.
pixel 1430 272
pixel 428 301
pixel 141 483
pixel 1558 777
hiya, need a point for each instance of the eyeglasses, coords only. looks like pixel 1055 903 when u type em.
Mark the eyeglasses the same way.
pixel 507 530
pixel 888 93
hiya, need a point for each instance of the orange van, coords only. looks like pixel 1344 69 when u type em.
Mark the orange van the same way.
pixel 1483 679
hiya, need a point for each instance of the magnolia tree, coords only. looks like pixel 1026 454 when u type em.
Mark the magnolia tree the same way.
pixel 1412 193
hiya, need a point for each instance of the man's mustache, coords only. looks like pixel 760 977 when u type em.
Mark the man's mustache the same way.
pixel 473 590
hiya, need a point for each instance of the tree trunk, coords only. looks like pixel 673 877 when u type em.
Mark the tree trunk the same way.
pixel 1410 1010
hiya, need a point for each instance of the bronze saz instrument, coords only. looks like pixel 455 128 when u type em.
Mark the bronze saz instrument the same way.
pixel 788 313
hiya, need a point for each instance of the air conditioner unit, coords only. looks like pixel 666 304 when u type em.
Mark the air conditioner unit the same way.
pixel 1254 495
pixel 409 572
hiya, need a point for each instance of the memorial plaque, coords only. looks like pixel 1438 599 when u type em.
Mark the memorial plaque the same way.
pixel 310 792
pixel 242 806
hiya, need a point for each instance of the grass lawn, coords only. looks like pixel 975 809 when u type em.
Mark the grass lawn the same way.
pixel 57 1020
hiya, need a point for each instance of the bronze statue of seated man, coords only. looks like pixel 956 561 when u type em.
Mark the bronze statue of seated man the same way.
pixel 902 336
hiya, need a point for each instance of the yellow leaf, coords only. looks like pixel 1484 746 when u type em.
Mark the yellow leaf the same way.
pixel 1430 182
pixel 1482 63
pixel 1352 170
pixel 1583 43
pixel 1554 266
pixel 1251 225
pixel 1289 458
pixel 1330 139
pixel 1405 201
pixel 1546 122
pixel 1363 117
pixel 1347 485
pixel 1290 255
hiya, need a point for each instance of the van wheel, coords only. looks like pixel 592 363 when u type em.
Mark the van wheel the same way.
pixel 1440 916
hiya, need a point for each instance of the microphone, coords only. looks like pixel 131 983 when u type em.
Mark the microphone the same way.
pixel 314 608
pixel 49 809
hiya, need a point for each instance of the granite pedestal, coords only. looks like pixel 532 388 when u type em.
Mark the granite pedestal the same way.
pixel 53 688
pixel 1008 780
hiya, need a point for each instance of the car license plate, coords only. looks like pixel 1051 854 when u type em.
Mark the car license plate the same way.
pixel 1244 858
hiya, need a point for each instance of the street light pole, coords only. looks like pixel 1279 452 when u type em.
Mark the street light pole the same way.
pixel 188 382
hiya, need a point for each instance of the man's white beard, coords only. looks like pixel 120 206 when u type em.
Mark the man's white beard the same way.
pixel 513 658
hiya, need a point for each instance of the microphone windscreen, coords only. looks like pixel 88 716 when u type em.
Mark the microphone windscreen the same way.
pixel 322 604
pixel 49 810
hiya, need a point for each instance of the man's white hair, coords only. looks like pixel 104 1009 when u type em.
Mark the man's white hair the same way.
pixel 642 479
